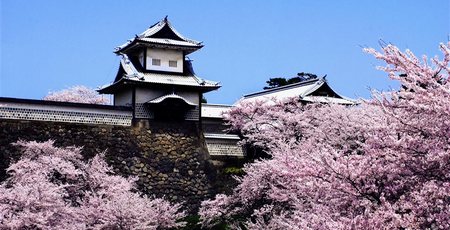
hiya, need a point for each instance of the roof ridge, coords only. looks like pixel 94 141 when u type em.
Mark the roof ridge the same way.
pixel 293 85
pixel 154 29
pixel 161 24
pixel 218 105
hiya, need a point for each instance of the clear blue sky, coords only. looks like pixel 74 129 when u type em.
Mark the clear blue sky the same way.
pixel 50 45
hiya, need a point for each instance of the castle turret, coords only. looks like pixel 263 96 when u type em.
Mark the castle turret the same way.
pixel 156 78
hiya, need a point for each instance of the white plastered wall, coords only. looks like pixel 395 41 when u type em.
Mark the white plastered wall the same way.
pixel 165 55
pixel 143 95
pixel 190 96
pixel 123 98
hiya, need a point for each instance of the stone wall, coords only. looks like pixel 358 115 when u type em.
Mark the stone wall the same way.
pixel 170 159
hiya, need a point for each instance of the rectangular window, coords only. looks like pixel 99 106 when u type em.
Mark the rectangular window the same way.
pixel 173 63
pixel 156 62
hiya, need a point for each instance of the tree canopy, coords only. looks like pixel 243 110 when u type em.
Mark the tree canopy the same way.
pixel 381 165
pixel 78 94
pixel 281 81
pixel 53 188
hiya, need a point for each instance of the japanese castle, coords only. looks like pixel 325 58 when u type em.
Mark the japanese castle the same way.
pixel 157 80
pixel 155 77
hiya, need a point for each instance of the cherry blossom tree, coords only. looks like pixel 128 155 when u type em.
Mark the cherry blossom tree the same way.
pixel 53 188
pixel 79 94
pixel 382 165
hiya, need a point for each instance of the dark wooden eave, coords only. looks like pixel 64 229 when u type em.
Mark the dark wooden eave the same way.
pixel 137 44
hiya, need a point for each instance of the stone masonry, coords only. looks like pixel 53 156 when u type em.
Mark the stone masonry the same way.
pixel 170 159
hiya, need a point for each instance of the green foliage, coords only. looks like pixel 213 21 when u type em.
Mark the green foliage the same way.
pixel 306 76
pixel 281 81
pixel 203 100
pixel 275 82
pixel 233 170
pixel 221 226
pixel 193 223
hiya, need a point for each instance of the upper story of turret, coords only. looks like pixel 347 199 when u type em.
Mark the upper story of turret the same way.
pixel 156 78
pixel 159 48
pixel 156 59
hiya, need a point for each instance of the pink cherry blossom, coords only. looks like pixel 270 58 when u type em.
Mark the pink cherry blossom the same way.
pixel 78 94
pixel 381 165
pixel 54 188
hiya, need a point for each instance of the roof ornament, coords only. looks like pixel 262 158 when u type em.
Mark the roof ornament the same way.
pixel 126 59
pixel 189 65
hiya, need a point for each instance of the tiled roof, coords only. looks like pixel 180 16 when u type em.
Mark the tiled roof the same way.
pixel 214 111
pixel 222 136
pixel 182 79
pixel 226 145
pixel 170 96
pixel 172 38
pixel 168 41
pixel 160 25
pixel 296 89
pixel 160 78
pixel 303 90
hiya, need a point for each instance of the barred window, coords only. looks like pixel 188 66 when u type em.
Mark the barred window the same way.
pixel 173 63
pixel 156 62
